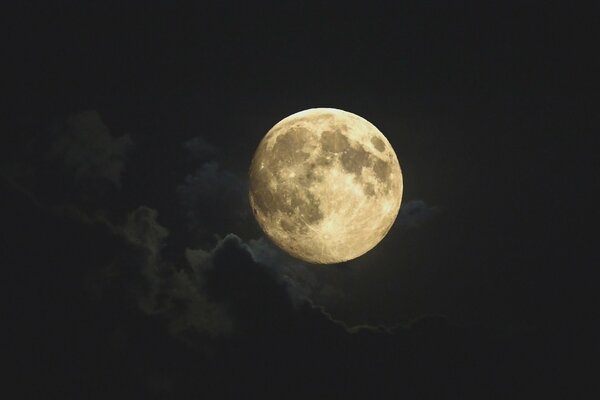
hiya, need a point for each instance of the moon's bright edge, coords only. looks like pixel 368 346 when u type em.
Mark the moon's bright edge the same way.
pixel 325 185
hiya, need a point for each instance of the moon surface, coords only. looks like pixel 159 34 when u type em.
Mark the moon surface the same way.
pixel 325 185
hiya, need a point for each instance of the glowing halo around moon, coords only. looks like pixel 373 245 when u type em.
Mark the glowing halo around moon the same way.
pixel 325 185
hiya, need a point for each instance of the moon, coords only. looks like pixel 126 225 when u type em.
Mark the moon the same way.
pixel 325 185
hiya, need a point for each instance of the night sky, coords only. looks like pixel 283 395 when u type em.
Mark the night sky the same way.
pixel 133 267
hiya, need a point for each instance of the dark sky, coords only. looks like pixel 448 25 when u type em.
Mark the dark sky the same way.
pixel 133 266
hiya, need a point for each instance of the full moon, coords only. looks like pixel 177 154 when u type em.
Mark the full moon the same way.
pixel 325 185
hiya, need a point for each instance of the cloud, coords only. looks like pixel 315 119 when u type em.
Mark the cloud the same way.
pixel 176 295
pixel 254 296
pixel 258 294
pixel 302 282
pixel 220 291
pixel 214 198
pixel 273 332
pixel 161 288
pixel 143 229
pixel 199 148
pixel 224 290
pixel 89 151
pixel 416 213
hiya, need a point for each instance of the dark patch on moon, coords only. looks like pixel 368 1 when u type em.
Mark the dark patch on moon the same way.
pixel 309 208
pixel 382 170
pixel 323 161
pixel 287 151
pixel 355 159
pixel 286 226
pixel 369 189
pixel 286 199
pixel 334 141
pixel 288 146
pixel 263 197
pixel 307 176
pixel 300 211
pixel 377 143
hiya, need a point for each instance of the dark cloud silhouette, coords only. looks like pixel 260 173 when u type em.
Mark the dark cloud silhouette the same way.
pixel 170 292
pixel 253 294
pixel 415 213
pixel 88 150
pixel 199 148
pixel 302 281
pixel 214 199
pixel 303 340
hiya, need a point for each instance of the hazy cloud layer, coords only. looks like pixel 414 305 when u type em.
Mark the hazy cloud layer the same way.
pixel 88 150
pixel 161 288
pixel 214 198
pixel 233 287
pixel 199 148
pixel 222 290
pixel 302 282
pixel 416 213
